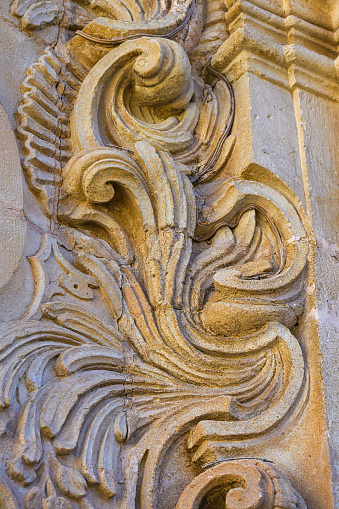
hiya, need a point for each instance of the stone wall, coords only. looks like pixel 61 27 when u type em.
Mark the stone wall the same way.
pixel 168 293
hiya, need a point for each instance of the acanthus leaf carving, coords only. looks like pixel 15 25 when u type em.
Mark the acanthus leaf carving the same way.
pixel 241 484
pixel 170 109
pixel 169 316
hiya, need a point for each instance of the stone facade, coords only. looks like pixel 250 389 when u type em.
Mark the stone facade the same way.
pixel 169 306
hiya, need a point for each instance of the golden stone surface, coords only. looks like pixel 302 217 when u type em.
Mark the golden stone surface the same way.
pixel 169 304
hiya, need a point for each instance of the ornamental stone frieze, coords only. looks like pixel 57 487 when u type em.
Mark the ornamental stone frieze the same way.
pixel 168 305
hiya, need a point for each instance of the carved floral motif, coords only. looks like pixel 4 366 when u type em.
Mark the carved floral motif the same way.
pixel 170 315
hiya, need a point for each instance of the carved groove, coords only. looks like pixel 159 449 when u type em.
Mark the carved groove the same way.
pixel 164 305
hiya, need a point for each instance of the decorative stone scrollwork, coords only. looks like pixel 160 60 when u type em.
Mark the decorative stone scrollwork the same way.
pixel 241 484
pixel 163 306
pixel 151 96
pixel 138 88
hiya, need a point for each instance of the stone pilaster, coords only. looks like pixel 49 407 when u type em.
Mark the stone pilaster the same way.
pixel 282 59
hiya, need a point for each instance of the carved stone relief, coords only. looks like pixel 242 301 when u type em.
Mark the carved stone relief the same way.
pixel 167 289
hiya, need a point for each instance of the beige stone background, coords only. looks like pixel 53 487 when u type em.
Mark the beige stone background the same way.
pixel 18 50
pixel 289 130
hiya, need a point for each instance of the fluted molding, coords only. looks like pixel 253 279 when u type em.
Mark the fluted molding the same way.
pixel 290 47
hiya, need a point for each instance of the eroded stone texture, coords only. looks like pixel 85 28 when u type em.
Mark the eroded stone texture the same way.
pixel 12 223
pixel 163 351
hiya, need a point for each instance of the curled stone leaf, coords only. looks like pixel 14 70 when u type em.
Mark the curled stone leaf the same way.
pixel 33 499
pixel 70 482
pixel 38 14
pixel 21 472
pixel 188 331
pixel 121 428
pixel 241 484
pixel 56 503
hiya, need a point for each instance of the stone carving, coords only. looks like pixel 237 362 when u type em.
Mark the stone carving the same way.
pixel 168 118
pixel 113 17
pixel 174 286
pixel 273 41
pixel 37 14
pixel 48 92
pixel 239 484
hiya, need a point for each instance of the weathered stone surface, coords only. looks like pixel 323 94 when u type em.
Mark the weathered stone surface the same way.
pixel 168 304
pixel 12 222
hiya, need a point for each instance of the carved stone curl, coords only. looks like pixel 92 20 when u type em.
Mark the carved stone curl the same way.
pixel 169 317
pixel 241 484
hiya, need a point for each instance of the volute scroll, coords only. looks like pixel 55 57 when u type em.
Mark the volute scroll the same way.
pixel 162 322
pixel 242 484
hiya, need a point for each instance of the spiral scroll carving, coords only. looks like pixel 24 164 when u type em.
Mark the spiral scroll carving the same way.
pixel 241 484
pixel 167 291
